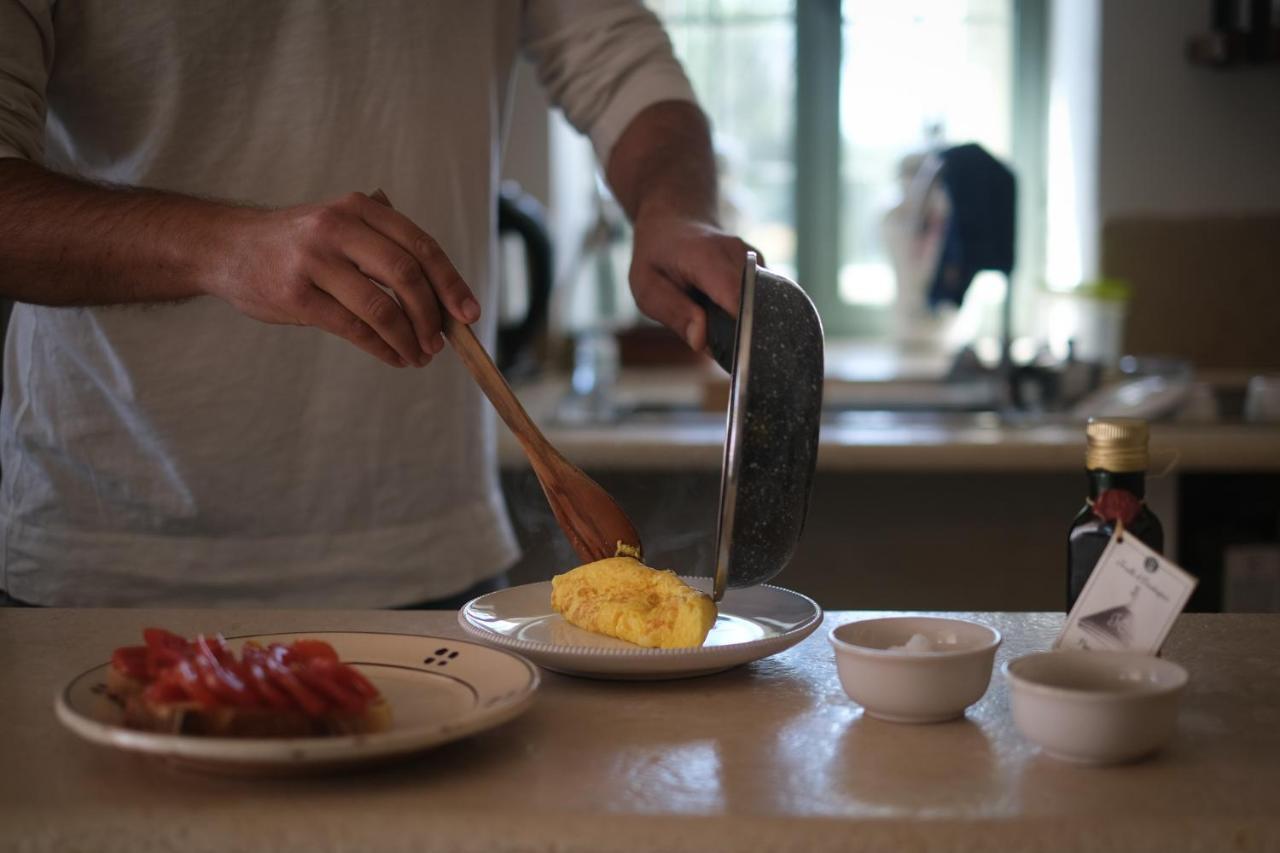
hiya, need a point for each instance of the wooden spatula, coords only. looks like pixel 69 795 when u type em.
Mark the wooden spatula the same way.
pixel 589 517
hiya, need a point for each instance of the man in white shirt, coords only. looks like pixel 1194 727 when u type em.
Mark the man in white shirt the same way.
pixel 212 402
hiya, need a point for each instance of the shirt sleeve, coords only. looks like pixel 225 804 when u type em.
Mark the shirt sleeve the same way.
pixel 602 63
pixel 26 59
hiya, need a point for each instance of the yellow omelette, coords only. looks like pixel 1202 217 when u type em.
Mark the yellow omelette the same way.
pixel 622 597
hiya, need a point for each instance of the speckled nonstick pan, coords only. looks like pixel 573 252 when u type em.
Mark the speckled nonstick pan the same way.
pixel 773 352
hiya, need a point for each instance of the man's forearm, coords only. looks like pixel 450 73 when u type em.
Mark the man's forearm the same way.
pixel 663 163
pixel 663 172
pixel 68 242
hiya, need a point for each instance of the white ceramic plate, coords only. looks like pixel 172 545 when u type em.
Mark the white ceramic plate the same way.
pixel 753 623
pixel 438 689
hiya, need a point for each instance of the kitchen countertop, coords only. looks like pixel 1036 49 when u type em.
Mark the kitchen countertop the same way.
pixel 689 439
pixel 770 756
pixel 894 442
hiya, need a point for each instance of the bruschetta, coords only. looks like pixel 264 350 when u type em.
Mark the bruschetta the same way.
pixel 202 687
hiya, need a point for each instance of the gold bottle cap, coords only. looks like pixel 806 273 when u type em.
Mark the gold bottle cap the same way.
pixel 1116 444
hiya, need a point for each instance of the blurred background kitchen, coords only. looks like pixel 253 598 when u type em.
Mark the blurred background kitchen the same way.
pixel 1142 135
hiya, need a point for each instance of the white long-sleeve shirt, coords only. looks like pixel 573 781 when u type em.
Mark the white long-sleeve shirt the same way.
pixel 185 454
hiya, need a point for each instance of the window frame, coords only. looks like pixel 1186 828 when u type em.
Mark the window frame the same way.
pixel 819 32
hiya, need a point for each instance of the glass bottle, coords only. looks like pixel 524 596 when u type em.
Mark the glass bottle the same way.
pixel 1116 459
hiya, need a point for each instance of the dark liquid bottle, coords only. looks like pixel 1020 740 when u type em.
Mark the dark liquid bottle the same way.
pixel 1117 462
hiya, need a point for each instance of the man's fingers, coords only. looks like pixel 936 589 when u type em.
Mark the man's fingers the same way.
pixel 373 306
pixel 712 265
pixel 668 303
pixel 450 289
pixel 386 263
pixel 324 312
pixel 718 271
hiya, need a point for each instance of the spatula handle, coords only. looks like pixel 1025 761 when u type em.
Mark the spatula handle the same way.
pixel 495 387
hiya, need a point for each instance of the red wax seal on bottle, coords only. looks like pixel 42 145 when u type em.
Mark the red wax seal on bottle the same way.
pixel 1117 505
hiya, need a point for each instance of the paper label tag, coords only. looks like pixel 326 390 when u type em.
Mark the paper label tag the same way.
pixel 1129 602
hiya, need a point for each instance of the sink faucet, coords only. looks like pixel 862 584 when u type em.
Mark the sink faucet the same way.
pixel 1041 385
pixel 595 375
pixel 594 379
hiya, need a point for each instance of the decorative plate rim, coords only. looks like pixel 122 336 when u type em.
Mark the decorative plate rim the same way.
pixel 799 633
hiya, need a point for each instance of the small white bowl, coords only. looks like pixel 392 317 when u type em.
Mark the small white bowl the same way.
pixel 1095 707
pixel 905 686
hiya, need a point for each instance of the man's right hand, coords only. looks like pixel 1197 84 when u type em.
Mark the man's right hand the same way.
pixel 353 267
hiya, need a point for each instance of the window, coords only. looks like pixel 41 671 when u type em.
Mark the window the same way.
pixel 817 106
pixel 740 56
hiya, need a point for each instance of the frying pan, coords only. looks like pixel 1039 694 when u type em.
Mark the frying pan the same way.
pixel 773 353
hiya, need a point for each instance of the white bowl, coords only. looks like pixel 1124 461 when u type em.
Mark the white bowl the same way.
pixel 1095 707
pixel 905 686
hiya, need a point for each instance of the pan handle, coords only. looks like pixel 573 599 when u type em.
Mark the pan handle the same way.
pixel 722 329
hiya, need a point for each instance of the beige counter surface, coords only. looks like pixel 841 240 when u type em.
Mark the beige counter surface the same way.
pixel 770 756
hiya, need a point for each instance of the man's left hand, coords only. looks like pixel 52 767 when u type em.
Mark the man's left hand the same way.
pixel 673 254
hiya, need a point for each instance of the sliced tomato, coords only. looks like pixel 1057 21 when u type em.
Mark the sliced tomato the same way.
pixel 159 659
pixel 170 676
pixel 254 667
pixel 164 650
pixel 272 696
pixel 346 700
pixel 310 703
pixel 131 661
pixel 221 680
pixel 166 690
pixel 209 679
pixel 159 638
pixel 313 650
pixel 305 675
pixel 194 684
pixel 352 677
pixel 217 644
pixel 280 652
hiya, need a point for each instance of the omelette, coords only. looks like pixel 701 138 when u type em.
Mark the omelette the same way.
pixel 622 597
